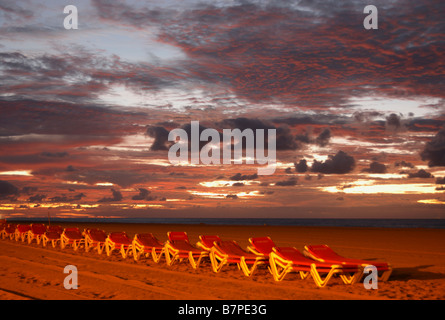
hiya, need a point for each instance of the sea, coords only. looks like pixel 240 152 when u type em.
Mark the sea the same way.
pixel 368 223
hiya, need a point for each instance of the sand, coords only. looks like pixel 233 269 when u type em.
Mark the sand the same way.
pixel 29 271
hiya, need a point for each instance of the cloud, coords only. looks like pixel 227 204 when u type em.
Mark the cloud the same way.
pixel 64 198
pixel 143 194
pixel 239 177
pixel 403 163
pixel 340 163
pixel 394 123
pixel 284 138
pixel 160 134
pixel 37 198
pixel 440 180
pixel 375 167
pixel 54 154
pixel 287 183
pixel 7 189
pixel 301 166
pixel 420 174
pixel 323 139
pixel 116 196
pixel 434 151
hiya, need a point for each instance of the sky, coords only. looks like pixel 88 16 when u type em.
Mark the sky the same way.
pixel 85 113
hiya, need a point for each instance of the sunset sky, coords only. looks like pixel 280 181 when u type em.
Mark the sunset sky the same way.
pixel 359 114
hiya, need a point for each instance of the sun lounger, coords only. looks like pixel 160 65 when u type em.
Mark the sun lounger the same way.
pixel 9 231
pixel 36 232
pixel 119 241
pixel 178 247
pixel 284 260
pixel 72 237
pixel 324 253
pixel 21 232
pixel 261 246
pixel 52 235
pixel 226 252
pixel 146 244
pixel 95 238
pixel 206 242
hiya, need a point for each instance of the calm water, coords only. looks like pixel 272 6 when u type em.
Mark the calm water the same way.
pixel 380 223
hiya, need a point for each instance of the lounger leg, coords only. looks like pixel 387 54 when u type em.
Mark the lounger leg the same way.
pixel 171 255
pixel 217 262
pixel 351 279
pixel 248 272
pixel 317 278
pixel 156 257
pixel 275 264
pixel 109 247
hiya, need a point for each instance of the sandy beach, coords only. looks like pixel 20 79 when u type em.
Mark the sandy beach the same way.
pixel 29 271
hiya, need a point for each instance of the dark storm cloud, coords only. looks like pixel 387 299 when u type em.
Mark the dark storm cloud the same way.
pixel 323 139
pixel 440 180
pixel 116 196
pixel 240 177
pixel 143 194
pixel 340 163
pixel 37 198
pixel 287 183
pixel 434 151
pixel 375 167
pixel 65 198
pixel 160 134
pixel 7 189
pixel 420 174
pixel 284 138
pixel 301 166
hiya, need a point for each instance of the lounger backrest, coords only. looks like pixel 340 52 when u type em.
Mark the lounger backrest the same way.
pixel 119 237
pixel 322 252
pixel 73 233
pixel 97 234
pixel 207 241
pixel 10 228
pixel 23 228
pixel 148 239
pixel 177 236
pixel 38 228
pixel 230 247
pixel 291 253
pixel 57 229
pixel 263 245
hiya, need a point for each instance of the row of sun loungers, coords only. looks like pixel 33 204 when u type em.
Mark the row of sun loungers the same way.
pixel 319 262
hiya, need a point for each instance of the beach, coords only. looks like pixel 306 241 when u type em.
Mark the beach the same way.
pixel 29 271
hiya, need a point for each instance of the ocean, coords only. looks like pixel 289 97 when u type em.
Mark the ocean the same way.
pixel 370 223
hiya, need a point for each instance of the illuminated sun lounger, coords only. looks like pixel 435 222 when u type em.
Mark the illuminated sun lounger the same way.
pixel 284 260
pixel 324 253
pixel 147 244
pixel 36 232
pixel 178 248
pixel 9 231
pixel 21 232
pixel 226 252
pixel 206 242
pixel 52 235
pixel 95 239
pixel 72 237
pixel 119 241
